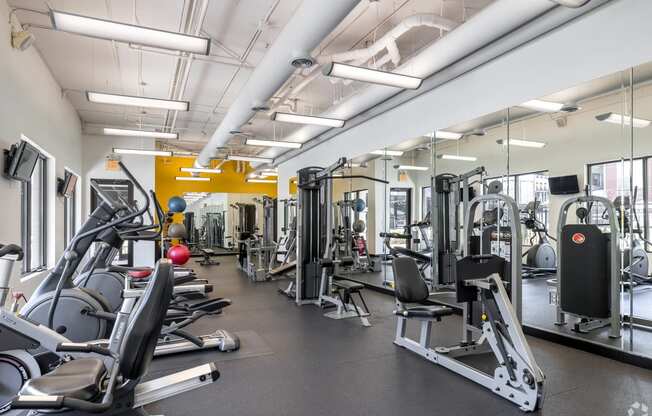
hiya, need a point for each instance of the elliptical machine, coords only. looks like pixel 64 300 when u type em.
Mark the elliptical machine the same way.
pixel 540 258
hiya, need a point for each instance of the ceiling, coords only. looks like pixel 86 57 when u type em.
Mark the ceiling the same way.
pixel 241 31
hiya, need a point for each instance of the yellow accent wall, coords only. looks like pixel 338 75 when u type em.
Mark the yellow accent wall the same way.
pixel 229 181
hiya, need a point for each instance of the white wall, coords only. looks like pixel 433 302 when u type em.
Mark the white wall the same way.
pixel 95 151
pixel 32 104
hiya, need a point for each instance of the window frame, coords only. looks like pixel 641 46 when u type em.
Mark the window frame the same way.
pixel 70 218
pixel 26 216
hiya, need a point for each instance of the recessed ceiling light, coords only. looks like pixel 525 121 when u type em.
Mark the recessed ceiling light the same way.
pixel 458 157
pixel 132 101
pixel 543 106
pixel 122 32
pixel 412 167
pixel 522 143
pixel 200 170
pixel 304 119
pixel 142 152
pixel 249 159
pixel 139 133
pixel 447 135
pixel 374 76
pixel 387 152
pixel 192 178
pixel 273 143
pixel 252 180
pixel 616 118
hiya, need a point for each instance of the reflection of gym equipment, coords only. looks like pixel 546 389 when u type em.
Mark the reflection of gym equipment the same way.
pixel 348 241
pixel 286 247
pixel 259 249
pixel 540 258
pixel 315 281
pixel 588 275
pixel 452 192
pixel 639 269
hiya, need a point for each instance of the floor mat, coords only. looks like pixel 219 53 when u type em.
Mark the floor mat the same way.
pixel 251 345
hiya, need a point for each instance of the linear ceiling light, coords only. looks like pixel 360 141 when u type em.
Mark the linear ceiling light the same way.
pixel 139 133
pixel 192 178
pixel 142 152
pixel 132 101
pixel 616 118
pixel 303 119
pixel 122 32
pixel 252 180
pixel 374 76
pixel 522 143
pixel 200 170
pixel 387 152
pixel 447 135
pixel 412 167
pixel 270 174
pixel 249 159
pixel 273 143
pixel 458 157
pixel 543 106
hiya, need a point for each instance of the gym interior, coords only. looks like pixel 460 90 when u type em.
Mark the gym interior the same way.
pixel 299 207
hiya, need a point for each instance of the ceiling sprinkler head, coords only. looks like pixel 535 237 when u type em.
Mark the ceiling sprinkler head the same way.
pixel 235 132
pixel 302 62
pixel 260 108
pixel 477 132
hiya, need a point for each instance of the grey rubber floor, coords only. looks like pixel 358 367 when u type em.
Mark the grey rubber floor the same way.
pixel 321 366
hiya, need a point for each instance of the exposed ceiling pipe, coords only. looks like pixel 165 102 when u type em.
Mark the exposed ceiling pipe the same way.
pixel 493 22
pixel 310 24
pixel 362 56
pixel 188 62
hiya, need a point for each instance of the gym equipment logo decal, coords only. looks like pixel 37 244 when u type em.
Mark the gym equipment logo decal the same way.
pixel 578 238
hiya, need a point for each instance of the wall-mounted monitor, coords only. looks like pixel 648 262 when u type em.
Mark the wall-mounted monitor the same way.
pixel 564 185
pixel 20 161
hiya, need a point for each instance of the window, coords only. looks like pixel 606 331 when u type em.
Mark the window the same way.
pixel 121 190
pixel 426 201
pixel 364 195
pixel 611 180
pixel 34 214
pixel 70 215
pixel 400 212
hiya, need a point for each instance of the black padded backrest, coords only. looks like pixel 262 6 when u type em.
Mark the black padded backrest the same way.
pixel 146 321
pixel 410 286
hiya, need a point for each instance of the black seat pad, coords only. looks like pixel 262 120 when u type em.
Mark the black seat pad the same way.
pixel 424 312
pixel 79 379
pixel 348 285
pixel 411 253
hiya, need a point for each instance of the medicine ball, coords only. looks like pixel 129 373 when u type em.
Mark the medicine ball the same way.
pixel 176 204
pixel 178 254
pixel 359 226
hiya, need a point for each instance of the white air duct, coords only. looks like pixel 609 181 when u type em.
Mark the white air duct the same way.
pixel 311 23
pixel 494 21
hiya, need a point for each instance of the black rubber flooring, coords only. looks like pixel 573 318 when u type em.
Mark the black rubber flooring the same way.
pixel 320 366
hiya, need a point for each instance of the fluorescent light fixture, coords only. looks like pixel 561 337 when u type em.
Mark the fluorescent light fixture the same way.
pixel 133 101
pixel 200 170
pixel 447 135
pixel 412 167
pixel 122 32
pixel 270 174
pixel 522 143
pixel 142 152
pixel 261 180
pixel 543 106
pixel 374 76
pixel 273 143
pixel 616 118
pixel 303 119
pixel 139 133
pixel 192 178
pixel 387 152
pixel 249 159
pixel 458 157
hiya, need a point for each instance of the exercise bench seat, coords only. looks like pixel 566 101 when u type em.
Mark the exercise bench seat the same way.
pixel 79 379
pixel 427 312
pixel 348 285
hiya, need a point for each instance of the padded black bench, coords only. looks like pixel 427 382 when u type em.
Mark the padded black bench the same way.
pixel 345 289
pixel 206 260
